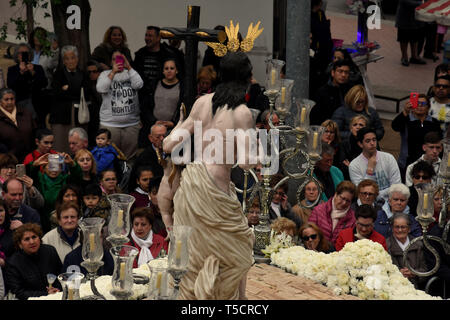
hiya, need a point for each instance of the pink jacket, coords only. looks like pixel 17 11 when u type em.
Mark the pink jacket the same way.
pixel 321 216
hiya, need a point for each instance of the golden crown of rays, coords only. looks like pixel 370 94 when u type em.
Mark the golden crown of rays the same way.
pixel 233 44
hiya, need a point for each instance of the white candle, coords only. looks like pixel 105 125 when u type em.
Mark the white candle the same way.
pixel 315 139
pixel 274 73
pixel 283 94
pixel 122 271
pixel 69 293
pixel 120 219
pixel 91 242
pixel 425 201
pixel 178 249
pixel 164 285
pixel 303 116
pixel 158 282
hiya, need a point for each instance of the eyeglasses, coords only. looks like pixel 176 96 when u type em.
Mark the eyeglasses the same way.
pixel 400 227
pixel 421 177
pixel 422 104
pixel 367 194
pixel 359 102
pixel 444 86
pixel 364 225
pixel 344 199
pixel 312 237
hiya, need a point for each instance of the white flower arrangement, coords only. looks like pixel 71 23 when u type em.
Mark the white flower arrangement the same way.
pixel 277 242
pixel 362 268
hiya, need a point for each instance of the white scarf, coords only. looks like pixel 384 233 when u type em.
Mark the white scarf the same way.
pixel 337 214
pixel 145 255
pixel 139 190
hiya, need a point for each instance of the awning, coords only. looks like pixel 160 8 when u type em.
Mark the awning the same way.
pixel 434 11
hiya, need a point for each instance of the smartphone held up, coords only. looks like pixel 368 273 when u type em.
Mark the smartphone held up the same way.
pixel 414 100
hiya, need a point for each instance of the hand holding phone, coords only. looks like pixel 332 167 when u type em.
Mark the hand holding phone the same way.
pixel 414 99
pixel 120 61
pixel 20 170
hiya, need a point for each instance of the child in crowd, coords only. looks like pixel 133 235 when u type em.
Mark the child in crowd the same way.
pixel 104 153
pixel 94 203
pixel 141 193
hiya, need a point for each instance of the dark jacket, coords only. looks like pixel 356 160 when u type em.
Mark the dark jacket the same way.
pixel 18 139
pixel 6 239
pixel 26 275
pixel 61 109
pixel 26 214
pixel 415 257
pixel 416 131
pixel 25 85
pixel 328 98
pixel 344 114
pixel 405 17
pixel 285 213
pixel 444 269
pixel 351 148
pixel 147 158
pixel 103 54
pixel 383 225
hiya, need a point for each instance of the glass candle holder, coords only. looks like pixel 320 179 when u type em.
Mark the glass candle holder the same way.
pixel 70 283
pixel 444 168
pixel 273 70
pixel 119 222
pixel 304 107
pixel 161 284
pixel 315 141
pixel 122 277
pixel 425 206
pixel 179 247
pixel 283 101
pixel 92 249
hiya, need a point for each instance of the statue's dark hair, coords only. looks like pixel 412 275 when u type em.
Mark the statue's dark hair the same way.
pixel 235 75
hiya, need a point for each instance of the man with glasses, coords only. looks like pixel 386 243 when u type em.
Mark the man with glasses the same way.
pixel 421 173
pixel 331 96
pixel 367 193
pixel 432 147
pixel 364 228
pixel 439 108
pixel 373 164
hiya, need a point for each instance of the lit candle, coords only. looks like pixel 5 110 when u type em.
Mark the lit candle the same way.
pixel 178 249
pixel 91 242
pixel 274 73
pixel 283 94
pixel 316 137
pixel 303 116
pixel 158 282
pixel 425 201
pixel 164 285
pixel 122 271
pixel 120 219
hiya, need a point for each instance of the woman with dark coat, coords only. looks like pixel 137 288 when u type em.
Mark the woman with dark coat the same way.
pixel 114 39
pixel 6 235
pixel 356 101
pixel 67 83
pixel 27 269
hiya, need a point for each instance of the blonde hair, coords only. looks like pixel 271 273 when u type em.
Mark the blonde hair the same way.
pixel 283 224
pixel 359 117
pixel 354 94
pixel 207 72
pixel 330 124
pixel 80 152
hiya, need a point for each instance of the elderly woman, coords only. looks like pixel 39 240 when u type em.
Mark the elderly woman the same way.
pixel 114 39
pixel 67 83
pixel 285 225
pixel 26 78
pixel 356 101
pixel 311 192
pixel 16 125
pixel 313 239
pixel 120 112
pixel 206 79
pixel 26 271
pixel 66 236
pixel 143 238
pixel 397 203
pixel 416 123
pixel 88 166
pixel 68 193
pixel 366 193
pixel 397 243
pixel 335 214
pixel 350 146
pixel 108 182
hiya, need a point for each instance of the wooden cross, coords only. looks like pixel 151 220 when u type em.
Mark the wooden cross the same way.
pixel 192 34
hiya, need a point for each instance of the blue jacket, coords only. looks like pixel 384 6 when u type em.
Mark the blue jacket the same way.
pixel 104 157
pixel 383 223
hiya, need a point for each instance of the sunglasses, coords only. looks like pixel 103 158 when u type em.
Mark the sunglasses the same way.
pixel 312 237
